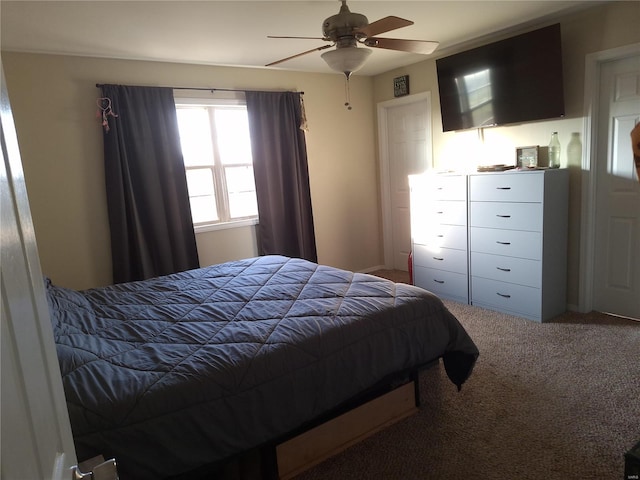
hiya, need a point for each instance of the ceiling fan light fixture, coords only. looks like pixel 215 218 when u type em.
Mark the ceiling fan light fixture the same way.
pixel 346 60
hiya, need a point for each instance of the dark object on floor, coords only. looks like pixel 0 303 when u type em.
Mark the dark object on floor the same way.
pixel 632 463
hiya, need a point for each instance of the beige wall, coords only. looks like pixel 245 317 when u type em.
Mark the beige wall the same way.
pixel 54 105
pixel 596 29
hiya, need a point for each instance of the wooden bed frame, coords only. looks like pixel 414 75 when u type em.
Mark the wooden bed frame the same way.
pixel 390 401
pixel 317 444
pixel 374 410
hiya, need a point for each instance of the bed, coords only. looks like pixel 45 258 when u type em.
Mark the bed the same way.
pixel 175 373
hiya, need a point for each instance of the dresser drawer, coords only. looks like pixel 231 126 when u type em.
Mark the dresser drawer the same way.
pixel 451 212
pixel 444 284
pixel 446 187
pixel 509 215
pixel 506 269
pixel 507 297
pixel 514 243
pixel 441 258
pixel 505 187
pixel 447 236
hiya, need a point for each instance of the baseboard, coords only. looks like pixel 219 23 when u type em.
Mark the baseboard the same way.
pixel 573 308
pixel 373 269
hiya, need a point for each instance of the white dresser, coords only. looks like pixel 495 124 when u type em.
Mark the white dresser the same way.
pixel 518 242
pixel 495 240
pixel 439 234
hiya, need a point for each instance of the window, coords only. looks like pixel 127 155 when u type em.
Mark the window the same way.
pixel 217 157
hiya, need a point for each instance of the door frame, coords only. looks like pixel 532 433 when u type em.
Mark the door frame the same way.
pixel 593 65
pixel 38 439
pixel 385 163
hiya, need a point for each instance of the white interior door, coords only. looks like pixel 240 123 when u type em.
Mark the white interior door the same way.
pixel 36 435
pixel 617 239
pixel 407 152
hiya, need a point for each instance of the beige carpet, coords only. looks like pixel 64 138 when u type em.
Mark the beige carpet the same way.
pixel 558 400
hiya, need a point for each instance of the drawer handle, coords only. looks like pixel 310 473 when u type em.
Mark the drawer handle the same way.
pixel 503 243
pixel 503 216
pixel 438 281
pixel 504 295
pixel 503 188
pixel 504 269
pixel 439 213
pixel 440 236
pixel 438 258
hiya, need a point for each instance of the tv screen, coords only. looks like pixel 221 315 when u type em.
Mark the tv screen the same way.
pixel 511 81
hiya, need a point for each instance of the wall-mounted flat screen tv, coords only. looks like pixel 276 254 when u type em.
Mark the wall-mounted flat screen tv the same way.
pixel 510 81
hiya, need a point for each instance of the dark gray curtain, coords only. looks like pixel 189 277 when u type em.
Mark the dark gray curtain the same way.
pixel 149 213
pixel 282 176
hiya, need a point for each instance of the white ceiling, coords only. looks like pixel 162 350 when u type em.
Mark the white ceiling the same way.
pixel 235 32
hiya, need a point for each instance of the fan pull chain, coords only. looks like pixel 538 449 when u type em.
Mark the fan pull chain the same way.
pixel 347 92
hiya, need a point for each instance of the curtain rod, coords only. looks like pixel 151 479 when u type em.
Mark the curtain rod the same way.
pixel 100 85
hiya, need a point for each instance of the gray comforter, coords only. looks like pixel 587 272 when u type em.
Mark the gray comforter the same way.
pixel 175 372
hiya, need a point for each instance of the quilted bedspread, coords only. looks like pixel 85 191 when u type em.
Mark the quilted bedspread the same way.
pixel 175 372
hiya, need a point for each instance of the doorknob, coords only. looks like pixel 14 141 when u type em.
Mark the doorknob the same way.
pixel 107 470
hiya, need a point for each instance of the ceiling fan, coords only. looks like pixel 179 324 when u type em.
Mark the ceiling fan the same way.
pixel 346 30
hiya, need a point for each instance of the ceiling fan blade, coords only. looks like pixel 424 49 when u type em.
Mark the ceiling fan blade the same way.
pixel 298 55
pixel 303 38
pixel 383 25
pixel 423 47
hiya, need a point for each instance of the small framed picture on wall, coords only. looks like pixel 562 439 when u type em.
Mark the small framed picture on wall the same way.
pixel 401 86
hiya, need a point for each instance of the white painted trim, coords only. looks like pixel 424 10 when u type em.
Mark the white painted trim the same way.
pixel 383 155
pixel 212 227
pixel 593 62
